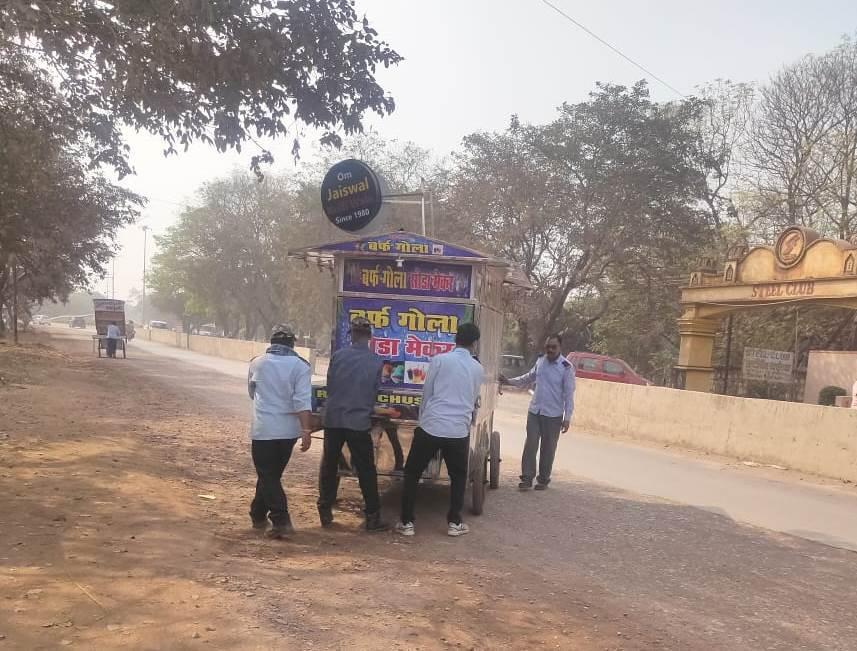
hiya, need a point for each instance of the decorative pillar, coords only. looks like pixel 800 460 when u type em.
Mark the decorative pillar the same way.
pixel 695 349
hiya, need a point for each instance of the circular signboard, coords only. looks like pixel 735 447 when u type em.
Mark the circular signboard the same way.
pixel 791 246
pixel 351 195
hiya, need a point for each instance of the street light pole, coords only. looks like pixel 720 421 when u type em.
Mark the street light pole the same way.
pixel 113 279
pixel 14 260
pixel 143 301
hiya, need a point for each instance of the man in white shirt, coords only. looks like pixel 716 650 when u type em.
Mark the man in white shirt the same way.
pixel 280 386
pixel 114 334
pixel 448 407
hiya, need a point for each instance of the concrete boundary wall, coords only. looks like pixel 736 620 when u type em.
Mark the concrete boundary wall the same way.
pixel 234 349
pixel 809 438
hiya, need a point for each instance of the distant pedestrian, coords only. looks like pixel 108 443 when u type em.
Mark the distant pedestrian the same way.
pixel 549 413
pixel 280 385
pixel 113 337
pixel 447 410
pixel 353 380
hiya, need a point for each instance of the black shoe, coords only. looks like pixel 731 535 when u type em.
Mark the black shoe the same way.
pixel 280 531
pixel 525 485
pixel 325 515
pixel 375 523
pixel 541 487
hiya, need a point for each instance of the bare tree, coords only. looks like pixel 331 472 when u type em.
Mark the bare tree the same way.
pixel 797 114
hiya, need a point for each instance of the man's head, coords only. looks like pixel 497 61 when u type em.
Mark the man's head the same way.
pixel 361 330
pixel 467 336
pixel 284 334
pixel 113 323
pixel 553 347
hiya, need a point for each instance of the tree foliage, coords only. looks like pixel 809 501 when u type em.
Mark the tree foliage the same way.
pixel 58 217
pixel 222 72
pixel 607 193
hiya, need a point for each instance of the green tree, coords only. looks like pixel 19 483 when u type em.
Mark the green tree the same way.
pixel 223 72
pixel 58 218
pixel 609 190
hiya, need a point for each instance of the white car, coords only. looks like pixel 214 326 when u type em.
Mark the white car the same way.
pixel 41 320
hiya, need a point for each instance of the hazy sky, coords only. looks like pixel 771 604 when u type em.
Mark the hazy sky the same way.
pixel 470 64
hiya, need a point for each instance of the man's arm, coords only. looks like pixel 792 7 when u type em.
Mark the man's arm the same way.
pixel 251 383
pixel 303 404
pixel 569 382
pixel 428 385
pixel 525 380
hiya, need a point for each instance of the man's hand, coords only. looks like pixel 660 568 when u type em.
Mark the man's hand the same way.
pixel 565 425
pixel 306 440
pixel 502 379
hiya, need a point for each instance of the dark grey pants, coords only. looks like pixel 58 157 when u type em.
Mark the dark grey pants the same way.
pixel 542 430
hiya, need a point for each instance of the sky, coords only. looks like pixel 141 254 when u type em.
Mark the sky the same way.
pixel 471 64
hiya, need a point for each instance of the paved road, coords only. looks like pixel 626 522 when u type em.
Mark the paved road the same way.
pixel 780 501
pixel 660 573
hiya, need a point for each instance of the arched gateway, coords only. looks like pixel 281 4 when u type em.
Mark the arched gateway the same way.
pixel 801 268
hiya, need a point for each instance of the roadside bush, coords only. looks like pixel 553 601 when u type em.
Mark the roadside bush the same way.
pixel 827 396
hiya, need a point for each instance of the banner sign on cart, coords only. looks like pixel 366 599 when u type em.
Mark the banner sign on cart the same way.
pixel 394 404
pixel 414 277
pixel 402 244
pixel 762 365
pixel 405 333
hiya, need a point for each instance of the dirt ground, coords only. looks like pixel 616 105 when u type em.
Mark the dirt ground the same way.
pixel 124 490
pixel 123 509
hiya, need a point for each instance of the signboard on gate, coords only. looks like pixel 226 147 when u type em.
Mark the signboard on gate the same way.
pixel 762 365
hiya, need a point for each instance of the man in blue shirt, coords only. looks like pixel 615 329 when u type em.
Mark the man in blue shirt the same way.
pixel 447 409
pixel 549 412
pixel 353 379
pixel 280 386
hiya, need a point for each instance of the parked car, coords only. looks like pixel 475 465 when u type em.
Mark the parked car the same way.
pixel 159 325
pixel 41 320
pixel 208 330
pixel 602 367
pixel 77 322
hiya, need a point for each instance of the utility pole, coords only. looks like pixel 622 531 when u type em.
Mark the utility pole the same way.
pixel 143 301
pixel 113 279
pixel 14 261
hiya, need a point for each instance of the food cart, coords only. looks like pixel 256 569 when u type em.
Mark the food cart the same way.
pixel 415 291
pixel 108 311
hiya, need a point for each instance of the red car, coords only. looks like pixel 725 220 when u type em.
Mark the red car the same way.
pixel 602 367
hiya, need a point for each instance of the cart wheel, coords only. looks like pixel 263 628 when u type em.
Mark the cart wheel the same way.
pixel 477 487
pixel 494 461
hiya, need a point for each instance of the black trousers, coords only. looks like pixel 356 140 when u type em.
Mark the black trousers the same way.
pixel 271 458
pixel 363 460
pixel 455 453
pixel 111 347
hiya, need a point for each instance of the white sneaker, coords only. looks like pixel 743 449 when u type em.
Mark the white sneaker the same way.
pixel 405 529
pixel 457 529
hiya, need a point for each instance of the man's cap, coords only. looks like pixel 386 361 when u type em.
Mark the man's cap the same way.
pixel 360 323
pixel 283 330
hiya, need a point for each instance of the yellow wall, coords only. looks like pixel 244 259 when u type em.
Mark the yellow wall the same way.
pixel 235 349
pixel 809 438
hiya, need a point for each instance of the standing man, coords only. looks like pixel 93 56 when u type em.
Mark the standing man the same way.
pixel 549 412
pixel 448 408
pixel 280 386
pixel 113 337
pixel 353 379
